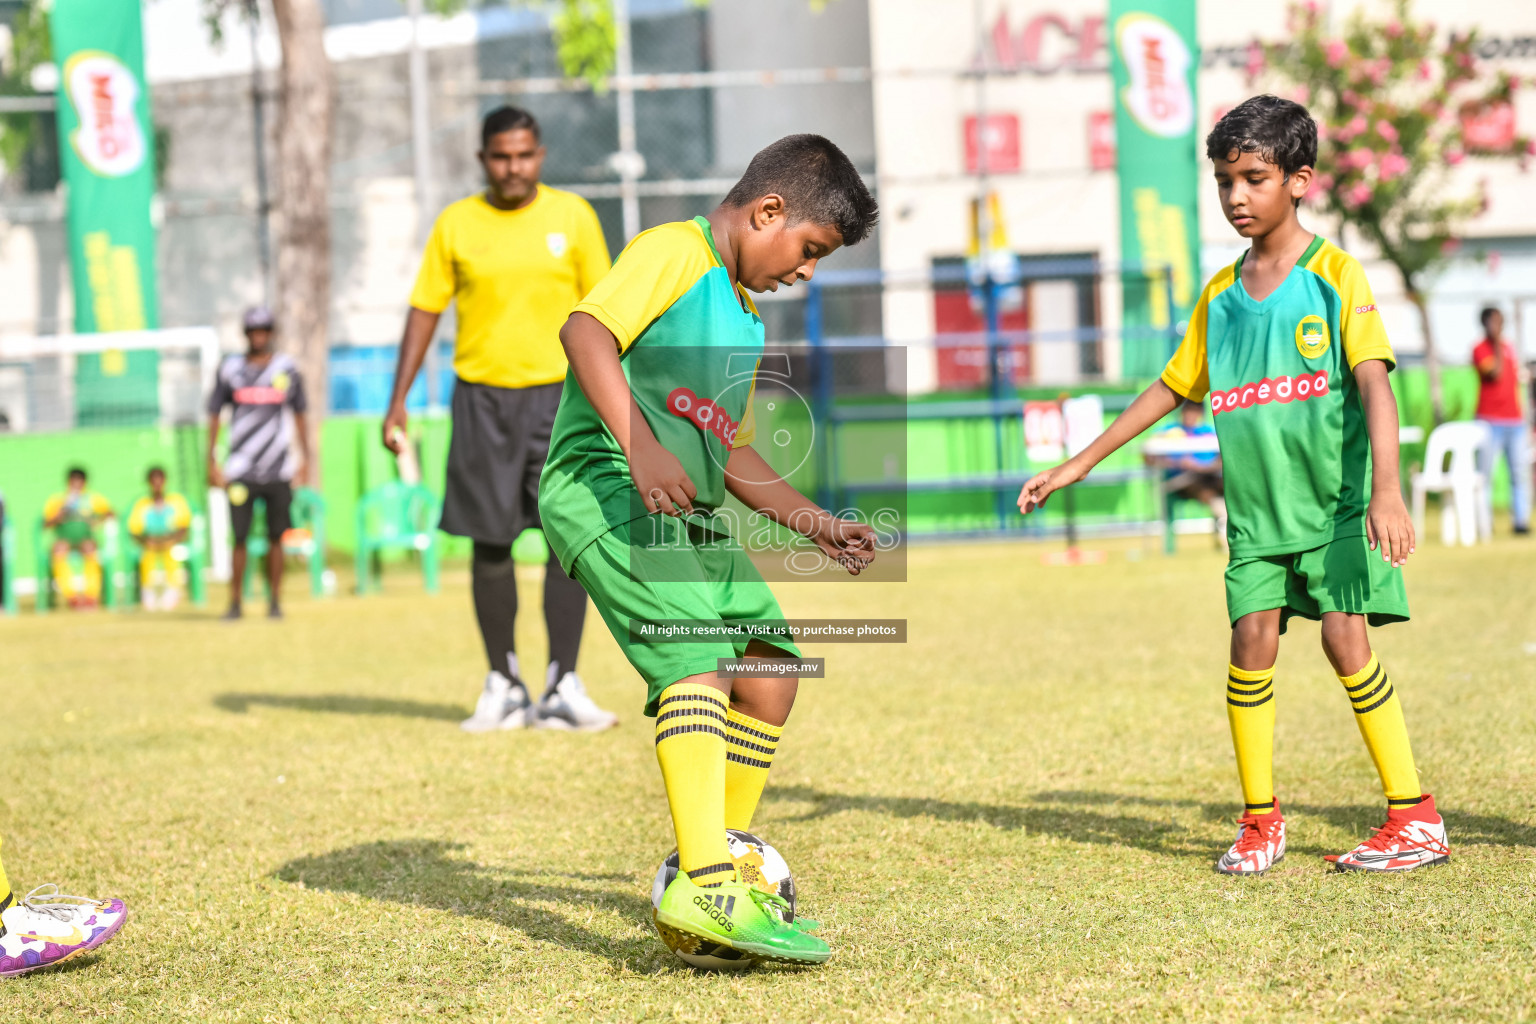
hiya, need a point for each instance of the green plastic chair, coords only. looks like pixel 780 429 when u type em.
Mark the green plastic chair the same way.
pixel 397 517
pixel 108 551
pixel 307 513
pixel 195 562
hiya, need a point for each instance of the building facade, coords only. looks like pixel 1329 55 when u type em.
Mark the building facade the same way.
pixel 1046 101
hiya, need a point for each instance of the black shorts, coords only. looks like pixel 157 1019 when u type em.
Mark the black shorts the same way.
pixel 496 454
pixel 277 497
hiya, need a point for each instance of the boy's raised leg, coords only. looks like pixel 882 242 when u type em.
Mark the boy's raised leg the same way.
pixel 1260 839
pixel 1414 833
pixel 690 745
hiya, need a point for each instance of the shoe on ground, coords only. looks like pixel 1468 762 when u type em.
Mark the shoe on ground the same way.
pixel 740 916
pixel 566 706
pixel 1260 844
pixel 1413 837
pixel 45 928
pixel 503 704
pixel 1521 531
pixel 274 612
pixel 233 615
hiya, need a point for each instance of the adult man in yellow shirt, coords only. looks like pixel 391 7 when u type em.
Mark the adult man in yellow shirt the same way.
pixel 515 259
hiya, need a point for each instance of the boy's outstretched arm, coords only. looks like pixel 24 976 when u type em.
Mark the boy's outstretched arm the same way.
pixel 757 486
pixel 1149 407
pixel 1387 522
pixel 593 353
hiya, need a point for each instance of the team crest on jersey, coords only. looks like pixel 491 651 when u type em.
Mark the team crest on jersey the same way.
pixel 280 380
pixel 1312 336
pixel 556 242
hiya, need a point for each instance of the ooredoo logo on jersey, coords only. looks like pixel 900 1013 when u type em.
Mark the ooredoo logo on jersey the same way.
pixel 704 414
pixel 1262 392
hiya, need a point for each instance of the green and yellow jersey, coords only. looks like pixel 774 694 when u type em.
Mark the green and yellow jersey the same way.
pixel 150 519
pixel 76 514
pixel 689 343
pixel 1280 373
pixel 514 276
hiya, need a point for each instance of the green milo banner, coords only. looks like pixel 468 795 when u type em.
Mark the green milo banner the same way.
pixel 1154 60
pixel 106 145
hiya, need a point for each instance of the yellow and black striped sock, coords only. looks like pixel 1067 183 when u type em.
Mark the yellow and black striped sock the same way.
pixel 749 748
pixel 690 745
pixel 63 578
pixel 6 899
pixel 1251 714
pixel 1380 716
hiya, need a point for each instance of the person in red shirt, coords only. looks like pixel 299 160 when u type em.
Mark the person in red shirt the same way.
pixel 1498 405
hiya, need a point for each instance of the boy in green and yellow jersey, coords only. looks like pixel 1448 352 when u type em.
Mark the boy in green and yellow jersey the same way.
pixel 73 516
pixel 158 523
pixel 654 430
pixel 1290 347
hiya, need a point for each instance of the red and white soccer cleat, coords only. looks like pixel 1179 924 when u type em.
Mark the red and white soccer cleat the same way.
pixel 1412 838
pixel 1260 844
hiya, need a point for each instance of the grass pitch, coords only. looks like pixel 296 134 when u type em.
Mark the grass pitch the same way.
pixel 1013 816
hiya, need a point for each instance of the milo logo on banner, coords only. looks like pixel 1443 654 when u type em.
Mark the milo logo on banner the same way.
pixel 104 93
pixel 1157 62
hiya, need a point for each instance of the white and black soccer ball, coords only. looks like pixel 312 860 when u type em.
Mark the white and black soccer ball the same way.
pixel 758 865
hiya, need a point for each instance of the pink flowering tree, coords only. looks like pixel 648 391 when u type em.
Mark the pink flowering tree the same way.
pixel 1398 105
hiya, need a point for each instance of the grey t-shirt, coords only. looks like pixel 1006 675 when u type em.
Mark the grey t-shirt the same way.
pixel 260 429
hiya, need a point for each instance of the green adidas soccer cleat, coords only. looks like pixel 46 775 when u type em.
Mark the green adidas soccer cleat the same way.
pixel 739 916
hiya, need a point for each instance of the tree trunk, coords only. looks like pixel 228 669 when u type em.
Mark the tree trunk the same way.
pixel 303 203
pixel 1431 360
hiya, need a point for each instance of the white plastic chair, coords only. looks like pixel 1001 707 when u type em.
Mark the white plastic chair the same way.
pixel 1457 460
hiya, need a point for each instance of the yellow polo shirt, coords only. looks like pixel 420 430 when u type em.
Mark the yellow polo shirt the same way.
pixel 515 275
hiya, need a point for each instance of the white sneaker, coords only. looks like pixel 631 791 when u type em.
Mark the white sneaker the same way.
pixel 503 704
pixel 46 927
pixel 566 706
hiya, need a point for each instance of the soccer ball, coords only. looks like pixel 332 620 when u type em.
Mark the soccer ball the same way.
pixel 758 865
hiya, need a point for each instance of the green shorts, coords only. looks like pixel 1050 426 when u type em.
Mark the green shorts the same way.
pixel 1344 575
pixel 655 569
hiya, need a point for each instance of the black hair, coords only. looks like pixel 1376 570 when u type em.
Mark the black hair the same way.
pixel 1487 314
pixel 507 119
pixel 1192 406
pixel 1280 131
pixel 817 182
pixel 75 471
pixel 153 470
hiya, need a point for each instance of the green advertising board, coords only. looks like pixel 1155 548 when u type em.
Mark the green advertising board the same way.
pixel 106 146
pixel 1154 59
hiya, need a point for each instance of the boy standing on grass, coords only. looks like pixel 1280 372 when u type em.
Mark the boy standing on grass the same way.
pixel 1289 345
pixel 654 428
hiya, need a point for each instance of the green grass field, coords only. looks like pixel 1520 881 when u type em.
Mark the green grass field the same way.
pixel 1011 817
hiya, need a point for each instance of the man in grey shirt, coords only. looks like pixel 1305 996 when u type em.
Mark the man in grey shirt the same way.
pixel 266 394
